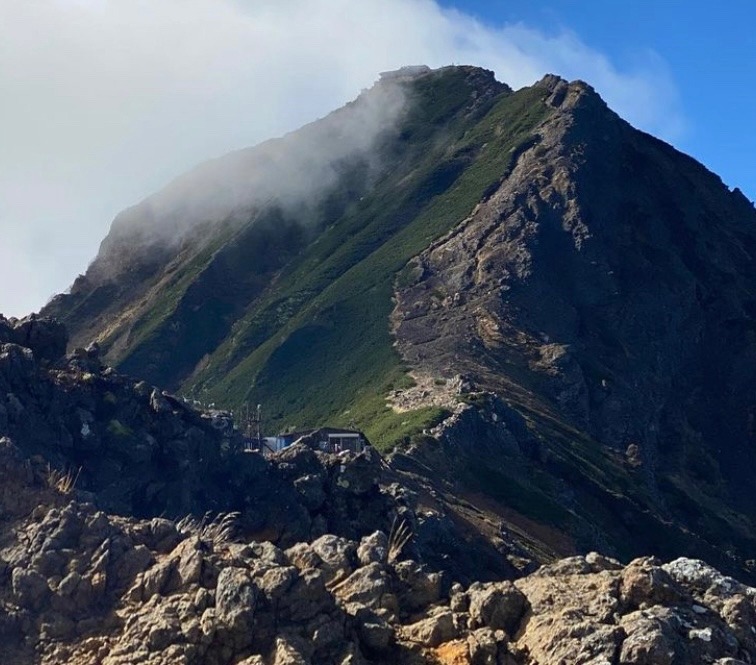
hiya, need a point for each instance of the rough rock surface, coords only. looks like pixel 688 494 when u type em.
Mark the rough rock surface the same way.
pixel 602 294
pixel 82 585
pixel 85 587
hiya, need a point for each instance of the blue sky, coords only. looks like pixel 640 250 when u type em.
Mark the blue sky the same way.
pixel 710 53
pixel 102 102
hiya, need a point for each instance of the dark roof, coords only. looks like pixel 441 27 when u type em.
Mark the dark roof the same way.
pixel 324 430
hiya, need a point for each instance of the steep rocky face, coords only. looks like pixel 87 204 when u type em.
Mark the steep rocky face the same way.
pixel 606 277
pixel 605 291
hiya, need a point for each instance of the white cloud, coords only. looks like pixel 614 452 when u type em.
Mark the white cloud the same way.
pixel 103 101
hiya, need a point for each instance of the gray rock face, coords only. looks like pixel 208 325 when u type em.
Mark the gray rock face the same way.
pixel 371 586
pixel 29 588
pixel 497 605
pixel 45 337
pixel 236 602
pixel 604 290
pixel 337 555
pixel 373 548
pixel 433 631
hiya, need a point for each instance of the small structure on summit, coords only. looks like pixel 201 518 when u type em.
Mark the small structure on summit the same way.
pixel 325 439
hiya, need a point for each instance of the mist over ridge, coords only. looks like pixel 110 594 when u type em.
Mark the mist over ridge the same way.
pixel 142 91
pixel 294 172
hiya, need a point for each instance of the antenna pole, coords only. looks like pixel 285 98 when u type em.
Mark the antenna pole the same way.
pixel 259 427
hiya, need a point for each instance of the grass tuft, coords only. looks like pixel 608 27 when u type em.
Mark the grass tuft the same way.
pixel 399 536
pixel 218 531
pixel 63 482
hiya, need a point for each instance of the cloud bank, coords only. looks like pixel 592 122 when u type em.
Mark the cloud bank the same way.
pixel 104 101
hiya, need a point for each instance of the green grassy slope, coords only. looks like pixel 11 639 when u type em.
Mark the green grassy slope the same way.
pixel 317 348
pixel 164 324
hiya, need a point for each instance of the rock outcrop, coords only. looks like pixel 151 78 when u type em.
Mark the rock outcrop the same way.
pixel 136 451
pixel 85 587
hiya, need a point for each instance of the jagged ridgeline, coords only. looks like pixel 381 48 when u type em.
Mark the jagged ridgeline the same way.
pixel 259 278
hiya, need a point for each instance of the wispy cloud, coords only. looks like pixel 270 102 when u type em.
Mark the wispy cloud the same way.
pixel 103 101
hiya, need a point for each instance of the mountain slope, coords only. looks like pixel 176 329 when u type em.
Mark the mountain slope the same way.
pixel 564 305
pixel 431 171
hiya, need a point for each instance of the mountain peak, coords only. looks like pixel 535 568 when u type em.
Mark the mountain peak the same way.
pixel 406 72
pixel 551 82
pixel 478 79
pixel 518 286
pixel 570 94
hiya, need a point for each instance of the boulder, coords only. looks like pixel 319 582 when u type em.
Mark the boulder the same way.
pixel 496 605
pixel 648 641
pixel 483 646
pixel 644 583
pixel 30 589
pixel 46 337
pixel 236 604
pixel 337 556
pixel 704 580
pixel 433 630
pixel 374 632
pixel 420 586
pixel 371 586
pixel 307 598
pixel 373 548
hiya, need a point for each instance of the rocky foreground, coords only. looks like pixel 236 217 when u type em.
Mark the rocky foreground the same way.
pixel 80 586
pixel 303 558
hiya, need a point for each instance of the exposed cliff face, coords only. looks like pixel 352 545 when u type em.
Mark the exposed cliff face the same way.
pixel 574 299
pixel 605 291
pixel 606 277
